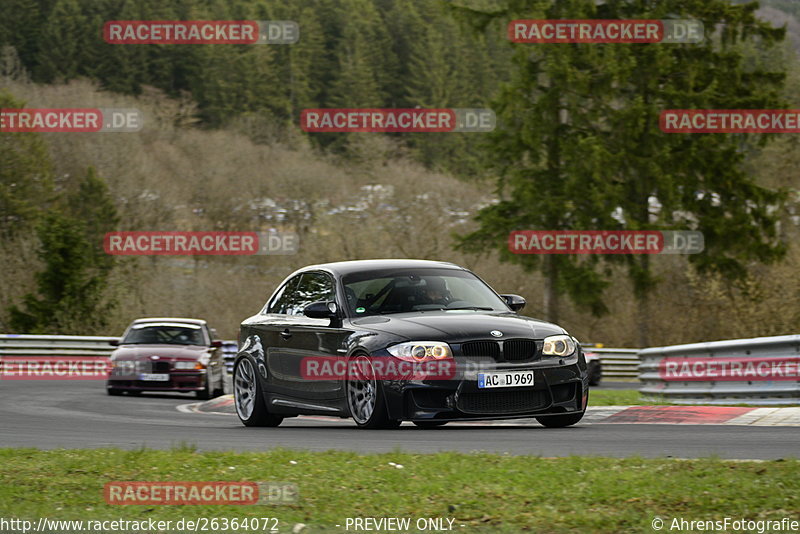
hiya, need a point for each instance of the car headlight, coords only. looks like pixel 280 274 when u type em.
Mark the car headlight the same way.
pixel 561 345
pixel 420 351
pixel 189 365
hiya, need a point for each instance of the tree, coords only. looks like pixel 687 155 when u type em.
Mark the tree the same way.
pixel 690 181
pixel 26 176
pixel 70 290
pixel 548 153
pixel 582 149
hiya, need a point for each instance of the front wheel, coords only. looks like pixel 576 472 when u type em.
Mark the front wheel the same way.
pixel 365 397
pixel 560 421
pixel 248 397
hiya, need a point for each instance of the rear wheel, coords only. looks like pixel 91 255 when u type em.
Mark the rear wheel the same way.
pixel 560 421
pixel 365 397
pixel 114 392
pixel 430 424
pixel 248 397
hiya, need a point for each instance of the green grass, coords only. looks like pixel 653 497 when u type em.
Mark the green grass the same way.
pixel 631 397
pixel 484 492
pixel 618 397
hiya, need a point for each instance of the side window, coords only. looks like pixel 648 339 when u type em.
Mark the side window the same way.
pixel 312 288
pixel 280 301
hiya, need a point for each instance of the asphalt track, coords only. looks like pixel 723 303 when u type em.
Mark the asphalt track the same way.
pixel 79 414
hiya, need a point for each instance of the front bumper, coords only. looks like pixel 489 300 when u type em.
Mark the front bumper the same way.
pixel 560 387
pixel 178 381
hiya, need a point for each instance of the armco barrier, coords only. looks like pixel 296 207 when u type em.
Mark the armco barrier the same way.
pixel 32 345
pixel 757 371
pixel 617 363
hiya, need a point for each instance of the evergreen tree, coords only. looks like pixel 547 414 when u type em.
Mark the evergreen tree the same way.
pixel 26 176
pixel 70 290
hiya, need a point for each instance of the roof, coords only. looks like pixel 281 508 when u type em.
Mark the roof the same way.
pixel 169 320
pixel 347 267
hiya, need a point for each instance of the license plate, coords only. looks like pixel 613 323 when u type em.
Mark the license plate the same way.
pixel 154 377
pixel 508 379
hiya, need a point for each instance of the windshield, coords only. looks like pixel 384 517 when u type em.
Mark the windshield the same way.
pixel 409 290
pixel 164 335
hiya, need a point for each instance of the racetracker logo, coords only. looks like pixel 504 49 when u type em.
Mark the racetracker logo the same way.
pixel 729 369
pixel 730 121
pixel 605 31
pixel 70 120
pixel 200 243
pixel 184 493
pixel 331 368
pixel 201 32
pixel 53 368
pixel 605 242
pixel 397 120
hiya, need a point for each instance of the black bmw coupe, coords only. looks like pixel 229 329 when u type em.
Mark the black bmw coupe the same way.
pixel 386 341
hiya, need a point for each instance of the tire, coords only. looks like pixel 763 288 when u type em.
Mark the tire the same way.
pixel 134 392
pixel 248 397
pixel 114 392
pixel 205 393
pixel 429 424
pixel 365 398
pixel 595 374
pixel 560 421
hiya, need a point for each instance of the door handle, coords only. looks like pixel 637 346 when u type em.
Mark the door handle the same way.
pixel 286 334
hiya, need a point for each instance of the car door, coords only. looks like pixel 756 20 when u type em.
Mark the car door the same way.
pixel 261 337
pixel 303 337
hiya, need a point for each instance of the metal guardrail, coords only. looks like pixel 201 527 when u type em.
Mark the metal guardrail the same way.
pixel 617 363
pixel 27 345
pixel 657 383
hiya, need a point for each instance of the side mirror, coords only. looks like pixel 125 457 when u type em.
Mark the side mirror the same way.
pixel 321 310
pixel 216 343
pixel 515 302
pixel 114 342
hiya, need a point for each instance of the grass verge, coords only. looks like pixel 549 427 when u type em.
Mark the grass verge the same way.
pixel 483 492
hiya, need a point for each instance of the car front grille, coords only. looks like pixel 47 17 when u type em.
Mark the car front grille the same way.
pixel 502 402
pixel 481 349
pixel 512 350
pixel 161 367
pixel 519 350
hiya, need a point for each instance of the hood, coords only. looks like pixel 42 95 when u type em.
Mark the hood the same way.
pixel 164 352
pixel 456 327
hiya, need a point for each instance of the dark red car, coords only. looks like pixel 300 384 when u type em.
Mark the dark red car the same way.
pixel 167 354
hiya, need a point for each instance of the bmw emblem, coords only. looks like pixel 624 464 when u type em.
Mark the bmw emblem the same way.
pixel 496 333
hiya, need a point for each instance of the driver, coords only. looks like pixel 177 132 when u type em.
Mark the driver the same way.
pixel 435 291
